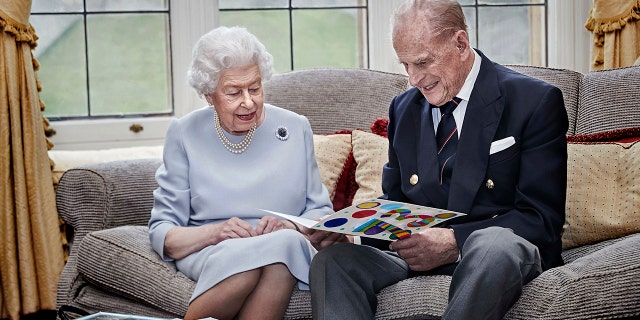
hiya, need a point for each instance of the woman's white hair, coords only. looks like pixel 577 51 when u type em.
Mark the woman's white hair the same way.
pixel 223 48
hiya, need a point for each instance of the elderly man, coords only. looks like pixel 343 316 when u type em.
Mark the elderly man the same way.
pixel 471 136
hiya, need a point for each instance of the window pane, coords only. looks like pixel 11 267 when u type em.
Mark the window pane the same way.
pixel 56 6
pixel 125 5
pixel 332 38
pixel 272 29
pixel 128 64
pixel 327 3
pixel 513 35
pixel 470 17
pixel 252 4
pixel 62 72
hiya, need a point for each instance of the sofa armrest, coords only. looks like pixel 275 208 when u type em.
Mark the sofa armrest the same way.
pixel 107 195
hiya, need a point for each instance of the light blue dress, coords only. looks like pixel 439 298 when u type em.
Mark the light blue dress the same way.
pixel 201 182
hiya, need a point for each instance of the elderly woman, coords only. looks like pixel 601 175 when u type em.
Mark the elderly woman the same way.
pixel 225 162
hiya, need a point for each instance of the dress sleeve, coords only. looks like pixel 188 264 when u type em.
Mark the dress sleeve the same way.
pixel 171 200
pixel 318 203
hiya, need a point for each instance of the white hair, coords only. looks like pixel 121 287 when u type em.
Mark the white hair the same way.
pixel 224 48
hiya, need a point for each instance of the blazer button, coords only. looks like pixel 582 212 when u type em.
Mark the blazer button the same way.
pixel 490 184
pixel 414 179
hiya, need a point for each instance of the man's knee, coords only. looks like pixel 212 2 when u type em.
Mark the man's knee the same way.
pixel 332 254
pixel 498 243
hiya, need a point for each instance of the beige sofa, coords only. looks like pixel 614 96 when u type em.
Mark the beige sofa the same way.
pixel 113 268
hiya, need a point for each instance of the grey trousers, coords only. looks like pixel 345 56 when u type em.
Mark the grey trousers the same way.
pixel 495 265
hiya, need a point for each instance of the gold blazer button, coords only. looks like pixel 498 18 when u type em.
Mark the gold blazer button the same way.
pixel 414 179
pixel 490 184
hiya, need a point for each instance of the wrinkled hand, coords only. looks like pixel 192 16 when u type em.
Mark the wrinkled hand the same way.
pixel 321 239
pixel 234 228
pixel 428 249
pixel 269 224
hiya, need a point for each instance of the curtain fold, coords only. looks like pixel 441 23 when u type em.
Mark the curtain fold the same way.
pixel 615 25
pixel 31 254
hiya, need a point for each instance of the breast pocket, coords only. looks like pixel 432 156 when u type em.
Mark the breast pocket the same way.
pixel 505 155
pixel 502 177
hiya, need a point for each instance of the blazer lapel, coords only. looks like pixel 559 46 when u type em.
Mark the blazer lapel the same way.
pixel 481 120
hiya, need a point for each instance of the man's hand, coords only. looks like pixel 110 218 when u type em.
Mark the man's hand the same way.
pixel 321 239
pixel 428 249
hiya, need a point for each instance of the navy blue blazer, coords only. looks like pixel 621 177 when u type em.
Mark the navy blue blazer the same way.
pixel 527 186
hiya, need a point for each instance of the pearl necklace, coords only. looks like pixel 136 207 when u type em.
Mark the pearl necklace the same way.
pixel 233 147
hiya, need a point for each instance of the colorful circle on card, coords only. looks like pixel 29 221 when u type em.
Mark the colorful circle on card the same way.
pixel 390 206
pixel 363 213
pixel 400 211
pixel 445 215
pixel 373 230
pixel 335 222
pixel 368 205
pixel 419 223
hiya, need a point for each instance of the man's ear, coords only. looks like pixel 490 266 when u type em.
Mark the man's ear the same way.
pixel 461 39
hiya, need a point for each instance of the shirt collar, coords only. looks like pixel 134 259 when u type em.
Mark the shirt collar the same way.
pixel 467 87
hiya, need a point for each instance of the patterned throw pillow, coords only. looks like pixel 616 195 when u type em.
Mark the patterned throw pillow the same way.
pixel 370 152
pixel 603 192
pixel 332 152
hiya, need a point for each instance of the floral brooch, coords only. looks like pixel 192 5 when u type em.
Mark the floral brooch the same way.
pixel 282 133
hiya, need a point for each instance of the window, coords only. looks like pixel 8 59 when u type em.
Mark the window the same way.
pixel 508 31
pixel 103 58
pixel 305 33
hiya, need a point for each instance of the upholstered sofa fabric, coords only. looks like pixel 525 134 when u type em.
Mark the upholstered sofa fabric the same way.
pixel 112 267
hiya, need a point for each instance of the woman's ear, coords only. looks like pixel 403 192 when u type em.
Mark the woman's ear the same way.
pixel 208 98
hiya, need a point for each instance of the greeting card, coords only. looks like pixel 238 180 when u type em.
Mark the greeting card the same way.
pixel 377 218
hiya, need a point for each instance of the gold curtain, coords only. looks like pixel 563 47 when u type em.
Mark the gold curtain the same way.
pixel 615 25
pixel 31 254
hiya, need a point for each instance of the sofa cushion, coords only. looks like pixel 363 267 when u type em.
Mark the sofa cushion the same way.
pixel 371 153
pixel 333 98
pixel 332 152
pixel 121 260
pixel 603 192
pixel 609 100
pixel 600 285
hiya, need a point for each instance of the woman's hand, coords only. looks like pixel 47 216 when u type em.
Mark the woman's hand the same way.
pixel 183 241
pixel 233 228
pixel 268 224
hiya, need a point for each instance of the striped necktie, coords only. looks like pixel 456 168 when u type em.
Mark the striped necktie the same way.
pixel 447 141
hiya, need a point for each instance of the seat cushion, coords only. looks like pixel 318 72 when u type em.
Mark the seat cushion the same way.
pixel 121 260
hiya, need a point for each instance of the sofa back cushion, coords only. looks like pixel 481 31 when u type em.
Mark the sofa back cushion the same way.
pixel 335 99
pixel 609 99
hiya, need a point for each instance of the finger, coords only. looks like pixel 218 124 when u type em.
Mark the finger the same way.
pixel 244 230
pixel 318 236
pixel 335 237
pixel 262 224
pixel 402 244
